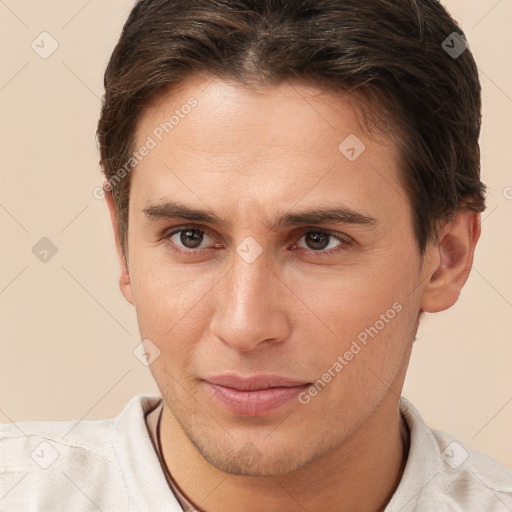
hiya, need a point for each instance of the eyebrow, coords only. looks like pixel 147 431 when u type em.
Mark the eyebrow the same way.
pixel 322 215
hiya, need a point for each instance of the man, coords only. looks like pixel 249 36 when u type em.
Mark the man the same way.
pixel 291 185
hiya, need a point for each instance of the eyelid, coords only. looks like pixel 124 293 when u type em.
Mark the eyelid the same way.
pixel 168 233
pixel 345 240
pixel 183 227
pixel 342 237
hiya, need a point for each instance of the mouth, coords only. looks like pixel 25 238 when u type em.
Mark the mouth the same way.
pixel 254 396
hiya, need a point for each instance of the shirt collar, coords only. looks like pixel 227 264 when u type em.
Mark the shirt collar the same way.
pixel 149 490
pixel 144 478
pixel 424 461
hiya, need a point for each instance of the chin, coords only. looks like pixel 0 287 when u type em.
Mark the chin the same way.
pixel 250 461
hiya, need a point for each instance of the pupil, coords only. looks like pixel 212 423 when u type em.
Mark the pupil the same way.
pixel 191 238
pixel 317 240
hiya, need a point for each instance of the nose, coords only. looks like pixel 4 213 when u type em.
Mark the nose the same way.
pixel 250 307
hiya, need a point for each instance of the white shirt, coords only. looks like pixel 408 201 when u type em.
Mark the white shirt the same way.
pixel 113 465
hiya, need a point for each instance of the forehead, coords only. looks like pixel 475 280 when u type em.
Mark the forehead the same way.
pixel 262 143
pixel 229 107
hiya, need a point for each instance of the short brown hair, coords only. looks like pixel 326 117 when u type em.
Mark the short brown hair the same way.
pixel 391 50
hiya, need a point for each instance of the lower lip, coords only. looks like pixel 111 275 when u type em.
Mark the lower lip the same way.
pixel 257 402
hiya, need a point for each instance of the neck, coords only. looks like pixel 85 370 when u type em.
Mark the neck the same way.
pixel 360 474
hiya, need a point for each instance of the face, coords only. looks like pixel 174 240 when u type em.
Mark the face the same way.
pixel 303 265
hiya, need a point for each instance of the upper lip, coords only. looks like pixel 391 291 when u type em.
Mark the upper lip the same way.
pixel 254 382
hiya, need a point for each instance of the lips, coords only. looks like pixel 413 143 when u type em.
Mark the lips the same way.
pixel 254 382
pixel 254 396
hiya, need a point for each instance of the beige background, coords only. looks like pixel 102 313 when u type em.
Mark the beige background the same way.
pixel 67 334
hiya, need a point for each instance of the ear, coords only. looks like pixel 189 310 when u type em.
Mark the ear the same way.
pixel 449 262
pixel 124 281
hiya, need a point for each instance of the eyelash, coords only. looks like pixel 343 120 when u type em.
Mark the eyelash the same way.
pixel 345 242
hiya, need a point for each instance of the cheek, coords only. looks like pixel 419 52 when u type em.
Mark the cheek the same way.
pixel 369 330
pixel 368 318
pixel 356 368
pixel 172 303
pixel 354 297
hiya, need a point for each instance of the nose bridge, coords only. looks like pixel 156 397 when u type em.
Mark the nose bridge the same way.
pixel 249 281
pixel 247 311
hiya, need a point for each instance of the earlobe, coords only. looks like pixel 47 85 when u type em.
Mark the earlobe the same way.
pixel 450 261
pixel 125 283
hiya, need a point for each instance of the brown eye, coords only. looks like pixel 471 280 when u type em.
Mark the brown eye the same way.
pixel 189 238
pixel 323 243
pixel 316 240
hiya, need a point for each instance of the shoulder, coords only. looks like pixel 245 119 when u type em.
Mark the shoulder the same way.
pixel 28 442
pixel 77 457
pixel 446 473
pixel 72 433
pixel 471 471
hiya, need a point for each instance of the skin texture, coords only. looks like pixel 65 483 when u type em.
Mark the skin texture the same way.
pixel 250 155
